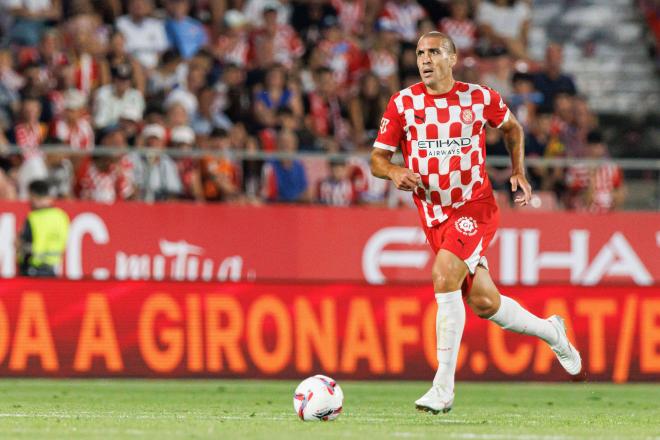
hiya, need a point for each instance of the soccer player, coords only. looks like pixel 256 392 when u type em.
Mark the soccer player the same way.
pixel 439 125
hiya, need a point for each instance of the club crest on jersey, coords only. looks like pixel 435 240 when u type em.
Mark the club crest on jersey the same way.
pixel 466 226
pixel 467 116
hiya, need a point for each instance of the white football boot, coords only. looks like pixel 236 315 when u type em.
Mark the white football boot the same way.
pixel 435 401
pixel 568 356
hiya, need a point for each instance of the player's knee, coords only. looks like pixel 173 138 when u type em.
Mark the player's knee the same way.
pixel 444 281
pixel 482 306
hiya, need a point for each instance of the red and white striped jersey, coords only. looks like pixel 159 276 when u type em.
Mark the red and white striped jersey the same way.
pixel 333 192
pixel 402 18
pixel 351 14
pixel 601 181
pixel 284 47
pixel 115 183
pixel 234 48
pixel 29 139
pixel 443 139
pixel 79 137
pixel 463 32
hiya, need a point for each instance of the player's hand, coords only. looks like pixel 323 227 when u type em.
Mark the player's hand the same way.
pixel 520 181
pixel 404 179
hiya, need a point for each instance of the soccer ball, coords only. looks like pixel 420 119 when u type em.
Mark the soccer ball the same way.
pixel 318 398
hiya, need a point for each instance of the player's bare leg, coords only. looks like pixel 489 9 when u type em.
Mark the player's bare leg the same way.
pixel 485 300
pixel 449 271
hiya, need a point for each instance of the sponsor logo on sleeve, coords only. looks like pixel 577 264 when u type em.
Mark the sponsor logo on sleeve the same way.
pixel 383 125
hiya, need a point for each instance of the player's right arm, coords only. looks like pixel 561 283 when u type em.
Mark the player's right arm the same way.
pixel 389 137
pixel 381 166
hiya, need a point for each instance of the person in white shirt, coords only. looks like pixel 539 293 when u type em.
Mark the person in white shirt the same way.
pixel 504 24
pixel 156 175
pixel 112 100
pixel 144 35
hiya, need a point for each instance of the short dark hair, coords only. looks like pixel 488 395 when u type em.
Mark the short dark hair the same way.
pixel 39 188
pixel 445 37
pixel 595 137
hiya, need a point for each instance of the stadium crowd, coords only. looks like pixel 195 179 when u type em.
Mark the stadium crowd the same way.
pixel 222 76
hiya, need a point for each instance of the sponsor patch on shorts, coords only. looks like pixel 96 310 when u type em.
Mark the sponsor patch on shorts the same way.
pixel 466 226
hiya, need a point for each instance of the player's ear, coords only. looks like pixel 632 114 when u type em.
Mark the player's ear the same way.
pixel 453 59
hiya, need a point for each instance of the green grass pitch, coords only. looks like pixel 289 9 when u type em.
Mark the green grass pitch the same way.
pixel 222 409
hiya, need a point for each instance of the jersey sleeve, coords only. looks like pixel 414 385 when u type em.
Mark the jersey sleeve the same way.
pixel 390 132
pixel 496 112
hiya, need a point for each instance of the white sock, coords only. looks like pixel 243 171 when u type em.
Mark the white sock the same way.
pixel 512 316
pixel 449 323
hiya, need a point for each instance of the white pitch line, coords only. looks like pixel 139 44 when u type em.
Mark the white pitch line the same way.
pixel 474 436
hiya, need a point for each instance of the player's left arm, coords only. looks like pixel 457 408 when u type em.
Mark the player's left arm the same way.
pixel 514 140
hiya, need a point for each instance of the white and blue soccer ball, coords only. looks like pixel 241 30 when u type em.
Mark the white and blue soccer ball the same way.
pixel 318 398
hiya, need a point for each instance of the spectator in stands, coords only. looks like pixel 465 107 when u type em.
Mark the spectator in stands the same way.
pixel 459 26
pixel 7 184
pixel 595 188
pixel 10 83
pixel 112 100
pixel 31 19
pixel 337 188
pixel 9 77
pixel 289 121
pixel 61 175
pixel 383 58
pixel 234 99
pixel 170 74
pixel 145 37
pixel 551 81
pixel 36 86
pixel 184 33
pixel 74 128
pixel 207 118
pixel 498 175
pixel 402 16
pixel 252 169
pixel 130 122
pixel 29 134
pixel 233 44
pixel 365 109
pixel 503 25
pixel 275 96
pixel 155 173
pixel 49 56
pixel 324 117
pixel 342 56
pixel 183 138
pixel 82 18
pixel 255 9
pixel 90 68
pixel 369 190
pixel 105 178
pixel 117 56
pixel 307 19
pixel 286 179
pixel 351 15
pixel 524 100
pixel 220 175
pixel 499 78
pixel 274 42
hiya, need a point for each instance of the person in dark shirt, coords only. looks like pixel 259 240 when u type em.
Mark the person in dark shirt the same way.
pixel 551 81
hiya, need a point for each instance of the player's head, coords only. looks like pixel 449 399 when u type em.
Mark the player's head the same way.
pixel 436 57
pixel 39 194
